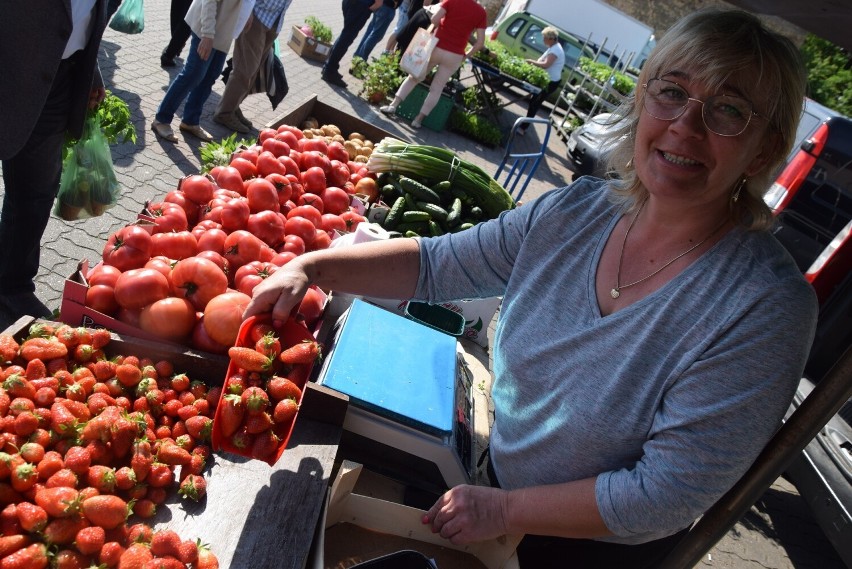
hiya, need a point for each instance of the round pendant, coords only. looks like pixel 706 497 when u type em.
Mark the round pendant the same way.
pixel 614 293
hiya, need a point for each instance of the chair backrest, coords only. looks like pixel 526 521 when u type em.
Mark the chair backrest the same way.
pixel 521 163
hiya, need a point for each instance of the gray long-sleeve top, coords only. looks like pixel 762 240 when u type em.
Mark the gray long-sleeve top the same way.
pixel 667 401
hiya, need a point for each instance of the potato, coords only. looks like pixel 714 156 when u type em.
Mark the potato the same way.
pixel 356 136
pixel 361 158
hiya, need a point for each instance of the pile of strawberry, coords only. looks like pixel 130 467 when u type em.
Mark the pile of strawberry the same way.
pixel 90 446
pixel 263 389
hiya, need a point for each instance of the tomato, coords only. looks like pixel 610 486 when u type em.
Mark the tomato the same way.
pixel 335 200
pixel 289 137
pixel 266 253
pixel 161 264
pixel 252 274
pixel 262 195
pixel 268 226
pixel 101 297
pixel 338 175
pixel 170 318
pixel 352 219
pixel 296 185
pixel 309 212
pixel 282 186
pixel 292 244
pixel 168 217
pixel 202 340
pixel 198 279
pixel 313 200
pixel 174 244
pixel 276 146
pixel 297 132
pixel 336 151
pixel 235 215
pixel 301 227
pixel 247 169
pixel 281 259
pixel 267 163
pixel 251 153
pixel 224 315
pixel 266 133
pixel 313 144
pixel 332 222
pixel 228 177
pixel 242 247
pixel 129 316
pixel 369 188
pixel 128 248
pixel 103 274
pixel 190 208
pixel 213 240
pixel 290 165
pixel 313 178
pixel 217 258
pixel 312 306
pixel 322 240
pixel 202 226
pixel 198 187
pixel 140 287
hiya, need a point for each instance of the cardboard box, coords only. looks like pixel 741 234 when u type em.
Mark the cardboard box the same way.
pixel 477 313
pixel 327 114
pixel 360 528
pixel 308 47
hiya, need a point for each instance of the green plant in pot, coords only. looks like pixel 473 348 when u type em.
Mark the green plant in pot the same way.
pixel 382 77
pixel 318 30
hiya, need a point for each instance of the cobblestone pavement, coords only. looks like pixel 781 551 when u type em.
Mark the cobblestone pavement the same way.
pixel 778 532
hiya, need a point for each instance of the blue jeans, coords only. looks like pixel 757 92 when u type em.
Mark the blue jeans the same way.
pixel 379 24
pixel 194 83
pixel 355 15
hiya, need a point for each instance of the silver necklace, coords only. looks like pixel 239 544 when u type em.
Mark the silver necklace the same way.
pixel 616 291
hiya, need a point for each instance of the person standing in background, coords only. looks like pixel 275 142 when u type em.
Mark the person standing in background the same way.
pixel 180 32
pixel 355 16
pixel 250 51
pixel 401 20
pixel 552 61
pixel 50 82
pixel 455 21
pixel 379 24
pixel 215 24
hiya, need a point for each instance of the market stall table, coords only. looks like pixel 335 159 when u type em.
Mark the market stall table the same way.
pixel 490 79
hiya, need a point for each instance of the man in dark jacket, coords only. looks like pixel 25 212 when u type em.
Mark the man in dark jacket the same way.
pixel 50 80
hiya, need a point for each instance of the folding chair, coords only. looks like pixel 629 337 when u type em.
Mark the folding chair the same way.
pixel 521 160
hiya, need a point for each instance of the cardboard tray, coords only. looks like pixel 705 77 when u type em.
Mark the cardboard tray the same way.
pixel 326 114
pixel 255 515
pixel 308 47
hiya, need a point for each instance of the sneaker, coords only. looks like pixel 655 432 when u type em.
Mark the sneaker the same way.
pixel 164 131
pixel 389 110
pixel 335 79
pixel 242 118
pixel 230 121
pixel 196 131
pixel 415 124
pixel 166 61
pixel 24 304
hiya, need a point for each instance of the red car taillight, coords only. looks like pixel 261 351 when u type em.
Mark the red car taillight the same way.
pixel 789 181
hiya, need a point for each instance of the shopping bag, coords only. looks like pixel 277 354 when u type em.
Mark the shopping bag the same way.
pixel 270 78
pixel 415 60
pixel 130 17
pixel 88 186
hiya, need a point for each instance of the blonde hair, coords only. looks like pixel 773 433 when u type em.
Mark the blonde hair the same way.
pixel 719 44
pixel 550 32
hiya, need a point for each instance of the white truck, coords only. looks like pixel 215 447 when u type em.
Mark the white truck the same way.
pixel 594 20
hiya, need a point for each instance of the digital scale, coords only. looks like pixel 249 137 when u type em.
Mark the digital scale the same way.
pixel 410 412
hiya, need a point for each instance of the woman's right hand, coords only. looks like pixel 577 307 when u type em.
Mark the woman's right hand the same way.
pixel 280 292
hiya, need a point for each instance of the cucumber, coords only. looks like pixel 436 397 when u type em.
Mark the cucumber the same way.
pixel 435 229
pixel 454 215
pixel 436 212
pixel 419 191
pixel 476 212
pixel 412 234
pixel 409 216
pixel 419 227
pixel 410 202
pixel 395 214
pixel 389 191
pixel 441 187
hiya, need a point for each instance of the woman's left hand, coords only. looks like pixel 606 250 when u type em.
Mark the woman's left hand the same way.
pixel 205 47
pixel 96 96
pixel 467 514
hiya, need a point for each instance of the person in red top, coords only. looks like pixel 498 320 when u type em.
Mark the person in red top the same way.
pixel 455 21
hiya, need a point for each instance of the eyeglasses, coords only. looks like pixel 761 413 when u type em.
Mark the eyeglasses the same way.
pixel 725 115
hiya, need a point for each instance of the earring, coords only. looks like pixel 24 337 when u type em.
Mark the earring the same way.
pixel 629 163
pixel 740 185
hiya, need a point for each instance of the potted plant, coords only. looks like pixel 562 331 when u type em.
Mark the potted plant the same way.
pixel 382 77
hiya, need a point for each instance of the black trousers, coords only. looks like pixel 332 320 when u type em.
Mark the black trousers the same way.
pixel 355 16
pixel 545 552
pixel 31 179
pixel 537 100
pixel 179 28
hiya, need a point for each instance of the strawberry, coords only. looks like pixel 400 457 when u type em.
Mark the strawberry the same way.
pixel 111 553
pixel 8 347
pixel 100 337
pixel 9 523
pixel 255 400
pixel 69 559
pixel 172 454
pixel 128 374
pixel 63 531
pixel 165 563
pixel 285 411
pixel 103 369
pixel 140 533
pixel 265 445
pixel 35 369
pixel 283 388
pixel 165 368
pixel 78 459
pixel 58 502
pixel 161 475
pixel 62 478
pixel 30 557
pixel 199 427
pixel 24 476
pixel 17 385
pixel 305 352
pixel 269 345
pixel 43 349
pixel 165 542
pixel 206 558
pixel 188 552
pixel 90 540
pixel 12 543
pixel 231 415
pixel 242 440
pixel 135 557
pixel 107 511
pixel 145 508
pixel 49 465
pixel 102 478
pixel 141 459
pixel 249 359
pixel 31 517
pixel 257 423
pixel 83 353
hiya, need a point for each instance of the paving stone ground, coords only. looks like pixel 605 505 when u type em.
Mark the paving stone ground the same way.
pixel 778 532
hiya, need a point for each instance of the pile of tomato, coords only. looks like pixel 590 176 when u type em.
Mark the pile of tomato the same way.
pixel 90 447
pixel 186 269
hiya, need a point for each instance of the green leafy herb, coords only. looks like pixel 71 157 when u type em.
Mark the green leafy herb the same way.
pixel 115 120
pixel 320 31
pixel 219 153
pixel 475 126
pixel 382 76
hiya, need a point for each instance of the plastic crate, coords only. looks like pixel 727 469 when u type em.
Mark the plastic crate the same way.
pixel 437 119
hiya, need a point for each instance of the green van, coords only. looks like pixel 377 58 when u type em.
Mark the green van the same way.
pixel 521 34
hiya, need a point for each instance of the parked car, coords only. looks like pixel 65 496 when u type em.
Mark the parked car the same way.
pixel 521 34
pixel 813 204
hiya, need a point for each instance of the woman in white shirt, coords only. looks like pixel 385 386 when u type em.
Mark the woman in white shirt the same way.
pixel 552 61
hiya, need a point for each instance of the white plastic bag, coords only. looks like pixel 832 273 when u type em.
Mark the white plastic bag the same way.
pixel 415 60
